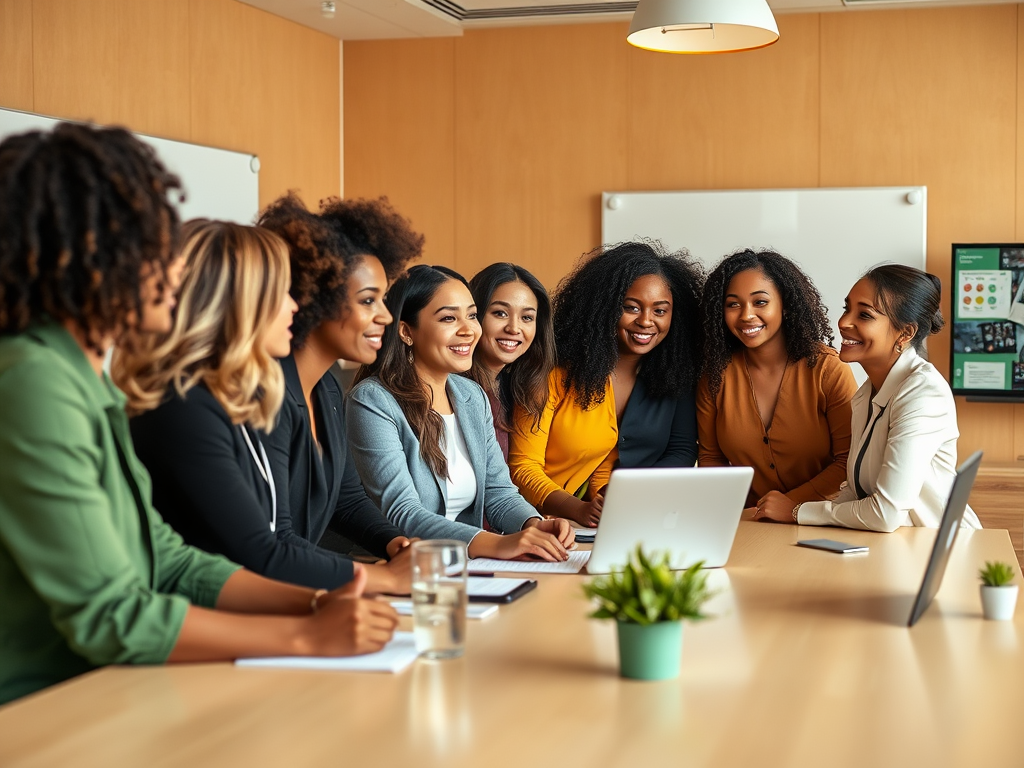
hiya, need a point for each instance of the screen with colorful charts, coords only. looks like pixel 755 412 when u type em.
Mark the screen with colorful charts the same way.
pixel 988 320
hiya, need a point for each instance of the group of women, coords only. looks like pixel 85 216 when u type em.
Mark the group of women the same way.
pixel 207 526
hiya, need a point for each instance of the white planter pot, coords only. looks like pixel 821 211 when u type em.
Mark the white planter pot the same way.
pixel 998 603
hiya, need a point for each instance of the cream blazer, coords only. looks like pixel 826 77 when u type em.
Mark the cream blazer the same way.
pixel 902 454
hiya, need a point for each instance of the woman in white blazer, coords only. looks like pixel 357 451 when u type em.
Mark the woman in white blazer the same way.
pixel 903 452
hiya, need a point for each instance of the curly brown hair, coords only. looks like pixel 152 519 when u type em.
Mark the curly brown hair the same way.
pixel 321 258
pixel 84 212
pixel 374 227
pixel 805 323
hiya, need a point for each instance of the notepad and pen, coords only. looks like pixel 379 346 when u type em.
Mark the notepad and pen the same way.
pixel 577 559
pixel 396 656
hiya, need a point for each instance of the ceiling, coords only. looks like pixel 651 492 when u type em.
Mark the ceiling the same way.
pixel 386 19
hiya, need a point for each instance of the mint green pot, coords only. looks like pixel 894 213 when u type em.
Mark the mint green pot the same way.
pixel 651 652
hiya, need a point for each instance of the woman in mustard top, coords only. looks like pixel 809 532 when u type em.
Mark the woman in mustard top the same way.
pixel 628 337
pixel 774 395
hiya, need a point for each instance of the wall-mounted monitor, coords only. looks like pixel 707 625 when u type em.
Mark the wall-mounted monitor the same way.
pixel 987 353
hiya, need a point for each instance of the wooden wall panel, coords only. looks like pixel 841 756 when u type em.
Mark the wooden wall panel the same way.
pixel 16 54
pixel 540 129
pixel 265 85
pixel 746 120
pixel 400 133
pixel 899 108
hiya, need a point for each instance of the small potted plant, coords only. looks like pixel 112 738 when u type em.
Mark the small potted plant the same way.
pixel 649 603
pixel 998 595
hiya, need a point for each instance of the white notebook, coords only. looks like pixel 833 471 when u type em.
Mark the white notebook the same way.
pixel 473 610
pixel 577 559
pixel 394 657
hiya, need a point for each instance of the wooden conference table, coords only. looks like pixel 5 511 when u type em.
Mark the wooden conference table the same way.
pixel 809 663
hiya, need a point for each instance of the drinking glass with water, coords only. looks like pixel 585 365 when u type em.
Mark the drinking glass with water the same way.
pixel 439 598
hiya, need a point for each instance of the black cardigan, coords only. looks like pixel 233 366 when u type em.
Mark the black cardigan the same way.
pixel 658 432
pixel 207 486
pixel 322 492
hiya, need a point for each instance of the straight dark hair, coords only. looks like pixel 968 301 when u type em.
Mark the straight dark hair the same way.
pixel 909 298
pixel 523 383
pixel 394 368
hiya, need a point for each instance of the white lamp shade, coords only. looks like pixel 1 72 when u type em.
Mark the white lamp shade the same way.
pixel 702 26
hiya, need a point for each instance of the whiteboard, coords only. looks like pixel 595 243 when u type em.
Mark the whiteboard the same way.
pixel 218 183
pixel 835 235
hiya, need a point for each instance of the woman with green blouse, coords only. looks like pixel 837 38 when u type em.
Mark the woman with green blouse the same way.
pixel 89 573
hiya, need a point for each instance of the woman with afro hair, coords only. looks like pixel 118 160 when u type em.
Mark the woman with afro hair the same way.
pixel 341 265
pixel 774 395
pixel 628 337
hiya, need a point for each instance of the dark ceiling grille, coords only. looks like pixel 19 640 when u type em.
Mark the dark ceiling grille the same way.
pixel 456 11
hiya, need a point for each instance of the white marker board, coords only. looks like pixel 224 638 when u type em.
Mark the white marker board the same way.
pixel 218 183
pixel 835 235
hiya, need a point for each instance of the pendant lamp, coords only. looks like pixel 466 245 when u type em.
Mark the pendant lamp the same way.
pixel 702 26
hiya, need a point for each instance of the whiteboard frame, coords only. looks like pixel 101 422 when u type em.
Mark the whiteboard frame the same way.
pixel 218 183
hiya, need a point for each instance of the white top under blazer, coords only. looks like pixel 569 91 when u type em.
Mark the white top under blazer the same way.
pixel 902 454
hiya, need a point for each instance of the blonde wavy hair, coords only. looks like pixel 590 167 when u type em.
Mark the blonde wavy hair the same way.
pixel 232 286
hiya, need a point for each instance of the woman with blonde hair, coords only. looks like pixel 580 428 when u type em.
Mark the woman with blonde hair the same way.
pixel 202 394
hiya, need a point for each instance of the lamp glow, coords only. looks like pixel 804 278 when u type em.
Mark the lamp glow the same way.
pixel 702 26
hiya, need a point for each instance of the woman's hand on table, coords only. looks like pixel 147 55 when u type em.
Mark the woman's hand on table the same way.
pixel 347 624
pixel 776 507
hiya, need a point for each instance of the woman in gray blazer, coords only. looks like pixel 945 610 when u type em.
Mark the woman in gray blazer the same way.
pixel 423 440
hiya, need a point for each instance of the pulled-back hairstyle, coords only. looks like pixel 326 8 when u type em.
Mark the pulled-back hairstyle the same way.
pixel 805 325
pixel 234 281
pixel 588 306
pixel 393 367
pixel 909 297
pixel 374 227
pixel 524 382
pixel 84 213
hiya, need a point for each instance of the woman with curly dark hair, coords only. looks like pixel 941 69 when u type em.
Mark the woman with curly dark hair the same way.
pixel 340 289
pixel 774 395
pixel 628 335
pixel 516 352
pixel 91 574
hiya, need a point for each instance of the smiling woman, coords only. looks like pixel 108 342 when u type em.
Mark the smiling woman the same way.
pixel 627 331
pixel 423 440
pixel 774 395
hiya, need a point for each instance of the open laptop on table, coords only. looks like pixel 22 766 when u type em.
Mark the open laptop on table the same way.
pixel 691 513
pixel 951 519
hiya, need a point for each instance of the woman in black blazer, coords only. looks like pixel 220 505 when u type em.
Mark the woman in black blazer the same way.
pixel 205 394
pixel 341 263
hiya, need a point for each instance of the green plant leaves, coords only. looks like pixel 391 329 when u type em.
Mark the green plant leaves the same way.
pixel 996 574
pixel 647 591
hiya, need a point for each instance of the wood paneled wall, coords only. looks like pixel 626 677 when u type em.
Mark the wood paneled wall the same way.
pixel 215 72
pixel 498 144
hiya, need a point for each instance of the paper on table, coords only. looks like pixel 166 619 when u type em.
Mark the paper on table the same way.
pixel 577 559
pixel 473 610
pixel 394 657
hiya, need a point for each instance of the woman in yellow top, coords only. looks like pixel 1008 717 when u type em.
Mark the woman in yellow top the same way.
pixel 628 339
pixel 774 395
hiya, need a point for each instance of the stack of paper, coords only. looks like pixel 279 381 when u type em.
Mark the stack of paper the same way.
pixel 394 657
pixel 473 610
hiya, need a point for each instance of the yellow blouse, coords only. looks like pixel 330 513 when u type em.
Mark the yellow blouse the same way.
pixel 567 448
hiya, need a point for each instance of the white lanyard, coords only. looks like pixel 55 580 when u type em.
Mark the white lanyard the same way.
pixel 268 475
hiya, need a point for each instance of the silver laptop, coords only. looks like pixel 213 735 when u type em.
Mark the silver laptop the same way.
pixel 952 516
pixel 691 513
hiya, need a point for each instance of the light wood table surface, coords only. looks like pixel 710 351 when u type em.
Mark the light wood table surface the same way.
pixel 809 663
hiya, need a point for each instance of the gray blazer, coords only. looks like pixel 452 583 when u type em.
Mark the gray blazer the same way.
pixel 387 455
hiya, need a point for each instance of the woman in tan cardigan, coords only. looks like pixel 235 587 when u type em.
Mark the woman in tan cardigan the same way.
pixel 774 395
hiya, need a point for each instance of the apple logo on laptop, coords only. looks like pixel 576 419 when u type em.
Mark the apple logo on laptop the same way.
pixel 671 519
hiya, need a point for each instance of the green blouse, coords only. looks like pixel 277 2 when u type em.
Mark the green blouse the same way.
pixel 89 573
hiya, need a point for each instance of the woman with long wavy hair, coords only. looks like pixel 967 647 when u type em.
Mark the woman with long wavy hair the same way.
pixel 91 574
pixel 516 352
pixel 423 439
pixel 628 336
pixel 774 395
pixel 203 393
